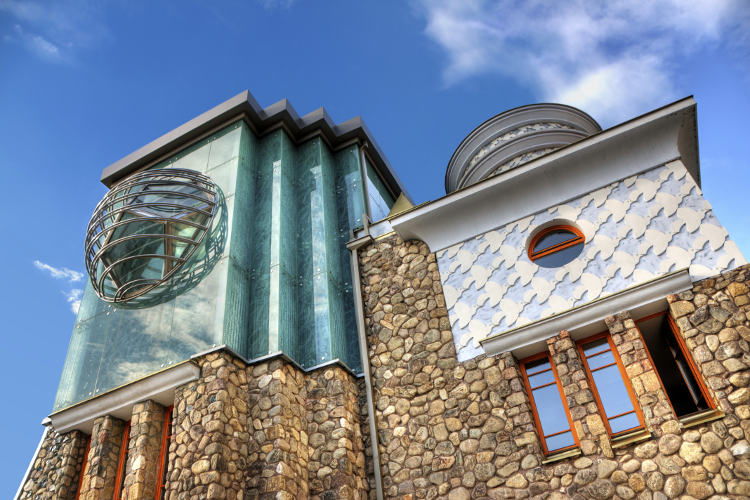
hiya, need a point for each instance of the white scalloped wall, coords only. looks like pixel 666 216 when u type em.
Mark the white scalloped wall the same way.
pixel 636 229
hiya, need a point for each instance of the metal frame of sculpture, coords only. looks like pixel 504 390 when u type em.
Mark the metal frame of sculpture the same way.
pixel 145 229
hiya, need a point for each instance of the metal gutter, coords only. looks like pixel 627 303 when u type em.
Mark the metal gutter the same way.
pixel 353 247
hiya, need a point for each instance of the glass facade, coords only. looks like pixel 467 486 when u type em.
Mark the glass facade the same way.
pixel 273 275
pixel 379 197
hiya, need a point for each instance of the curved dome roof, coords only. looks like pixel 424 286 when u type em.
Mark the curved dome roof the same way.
pixel 515 137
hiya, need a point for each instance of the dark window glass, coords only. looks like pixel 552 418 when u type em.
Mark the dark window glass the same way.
pixel 556 246
pixel 552 238
pixel 675 371
pixel 610 388
pixel 548 405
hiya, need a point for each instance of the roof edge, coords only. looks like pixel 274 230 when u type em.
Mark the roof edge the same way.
pixel 244 105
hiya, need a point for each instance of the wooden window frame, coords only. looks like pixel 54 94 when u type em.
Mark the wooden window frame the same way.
pixel 685 353
pixel 166 437
pixel 625 380
pixel 121 465
pixel 83 467
pixel 535 412
pixel 554 248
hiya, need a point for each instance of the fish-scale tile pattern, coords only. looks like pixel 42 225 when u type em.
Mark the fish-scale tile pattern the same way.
pixel 636 229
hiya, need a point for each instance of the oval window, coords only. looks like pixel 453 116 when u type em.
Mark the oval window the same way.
pixel 556 246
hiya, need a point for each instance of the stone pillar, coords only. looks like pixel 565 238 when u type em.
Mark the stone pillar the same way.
pixel 57 468
pixel 144 447
pixel 278 447
pixel 588 423
pixel 208 452
pixel 337 461
pixel 518 447
pixel 104 454
pixel 643 376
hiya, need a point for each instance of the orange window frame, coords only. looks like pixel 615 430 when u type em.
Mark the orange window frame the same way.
pixel 83 467
pixel 685 353
pixel 579 238
pixel 563 400
pixel 121 465
pixel 625 381
pixel 166 437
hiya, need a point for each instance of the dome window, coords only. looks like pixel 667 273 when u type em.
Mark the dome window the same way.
pixel 556 246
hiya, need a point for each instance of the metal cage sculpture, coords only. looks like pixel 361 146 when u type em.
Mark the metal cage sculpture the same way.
pixel 145 229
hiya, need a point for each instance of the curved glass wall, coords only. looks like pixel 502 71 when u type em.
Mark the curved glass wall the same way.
pixel 274 274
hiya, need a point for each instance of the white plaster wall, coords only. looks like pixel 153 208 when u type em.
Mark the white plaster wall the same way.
pixel 636 229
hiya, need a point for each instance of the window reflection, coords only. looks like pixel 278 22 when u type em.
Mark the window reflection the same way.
pixel 547 401
pixel 610 385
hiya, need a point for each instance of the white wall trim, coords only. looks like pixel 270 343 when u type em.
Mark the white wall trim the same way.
pixel 619 152
pixel 119 402
pixel 631 298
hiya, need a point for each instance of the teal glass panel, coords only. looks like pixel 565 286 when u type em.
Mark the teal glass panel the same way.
pixel 379 197
pixel 115 345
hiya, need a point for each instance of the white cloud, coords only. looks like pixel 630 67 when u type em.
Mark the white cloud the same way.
pixel 59 273
pixel 55 30
pixel 73 295
pixel 74 299
pixel 612 59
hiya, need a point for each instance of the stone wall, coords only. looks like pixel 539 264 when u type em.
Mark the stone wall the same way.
pixel 337 460
pixel 208 451
pixel 57 467
pixel 100 474
pixel 144 447
pixel 465 430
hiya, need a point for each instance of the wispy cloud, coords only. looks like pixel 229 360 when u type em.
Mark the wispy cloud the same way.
pixel 59 273
pixel 72 294
pixel 609 58
pixel 54 31
pixel 73 297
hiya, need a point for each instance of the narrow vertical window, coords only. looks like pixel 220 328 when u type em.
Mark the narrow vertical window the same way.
pixel 548 404
pixel 122 463
pixel 166 437
pixel 678 374
pixel 83 467
pixel 611 387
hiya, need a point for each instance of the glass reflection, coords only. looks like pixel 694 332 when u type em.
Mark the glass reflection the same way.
pixel 548 404
pixel 611 391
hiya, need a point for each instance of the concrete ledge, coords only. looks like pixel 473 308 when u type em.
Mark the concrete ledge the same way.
pixel 119 402
pixel 638 296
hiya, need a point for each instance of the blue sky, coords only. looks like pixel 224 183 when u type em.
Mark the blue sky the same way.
pixel 83 83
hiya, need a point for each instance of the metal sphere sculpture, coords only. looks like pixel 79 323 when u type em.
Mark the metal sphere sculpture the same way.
pixel 145 229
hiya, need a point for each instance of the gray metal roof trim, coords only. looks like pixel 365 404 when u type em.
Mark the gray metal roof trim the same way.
pixel 261 119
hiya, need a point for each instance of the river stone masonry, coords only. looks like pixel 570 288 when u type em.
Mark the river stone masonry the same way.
pixel 57 468
pixel 465 430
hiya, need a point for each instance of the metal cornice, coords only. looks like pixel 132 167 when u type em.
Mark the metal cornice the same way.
pixel 261 120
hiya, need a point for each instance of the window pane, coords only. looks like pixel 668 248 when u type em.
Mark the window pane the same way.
pixel 612 392
pixel 599 360
pixel 560 441
pixel 541 379
pixel 550 408
pixel 595 347
pixel 561 257
pixel 553 238
pixel 537 366
pixel 623 423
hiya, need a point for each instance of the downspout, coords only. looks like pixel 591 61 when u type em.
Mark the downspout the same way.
pixel 363 353
pixel 46 424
